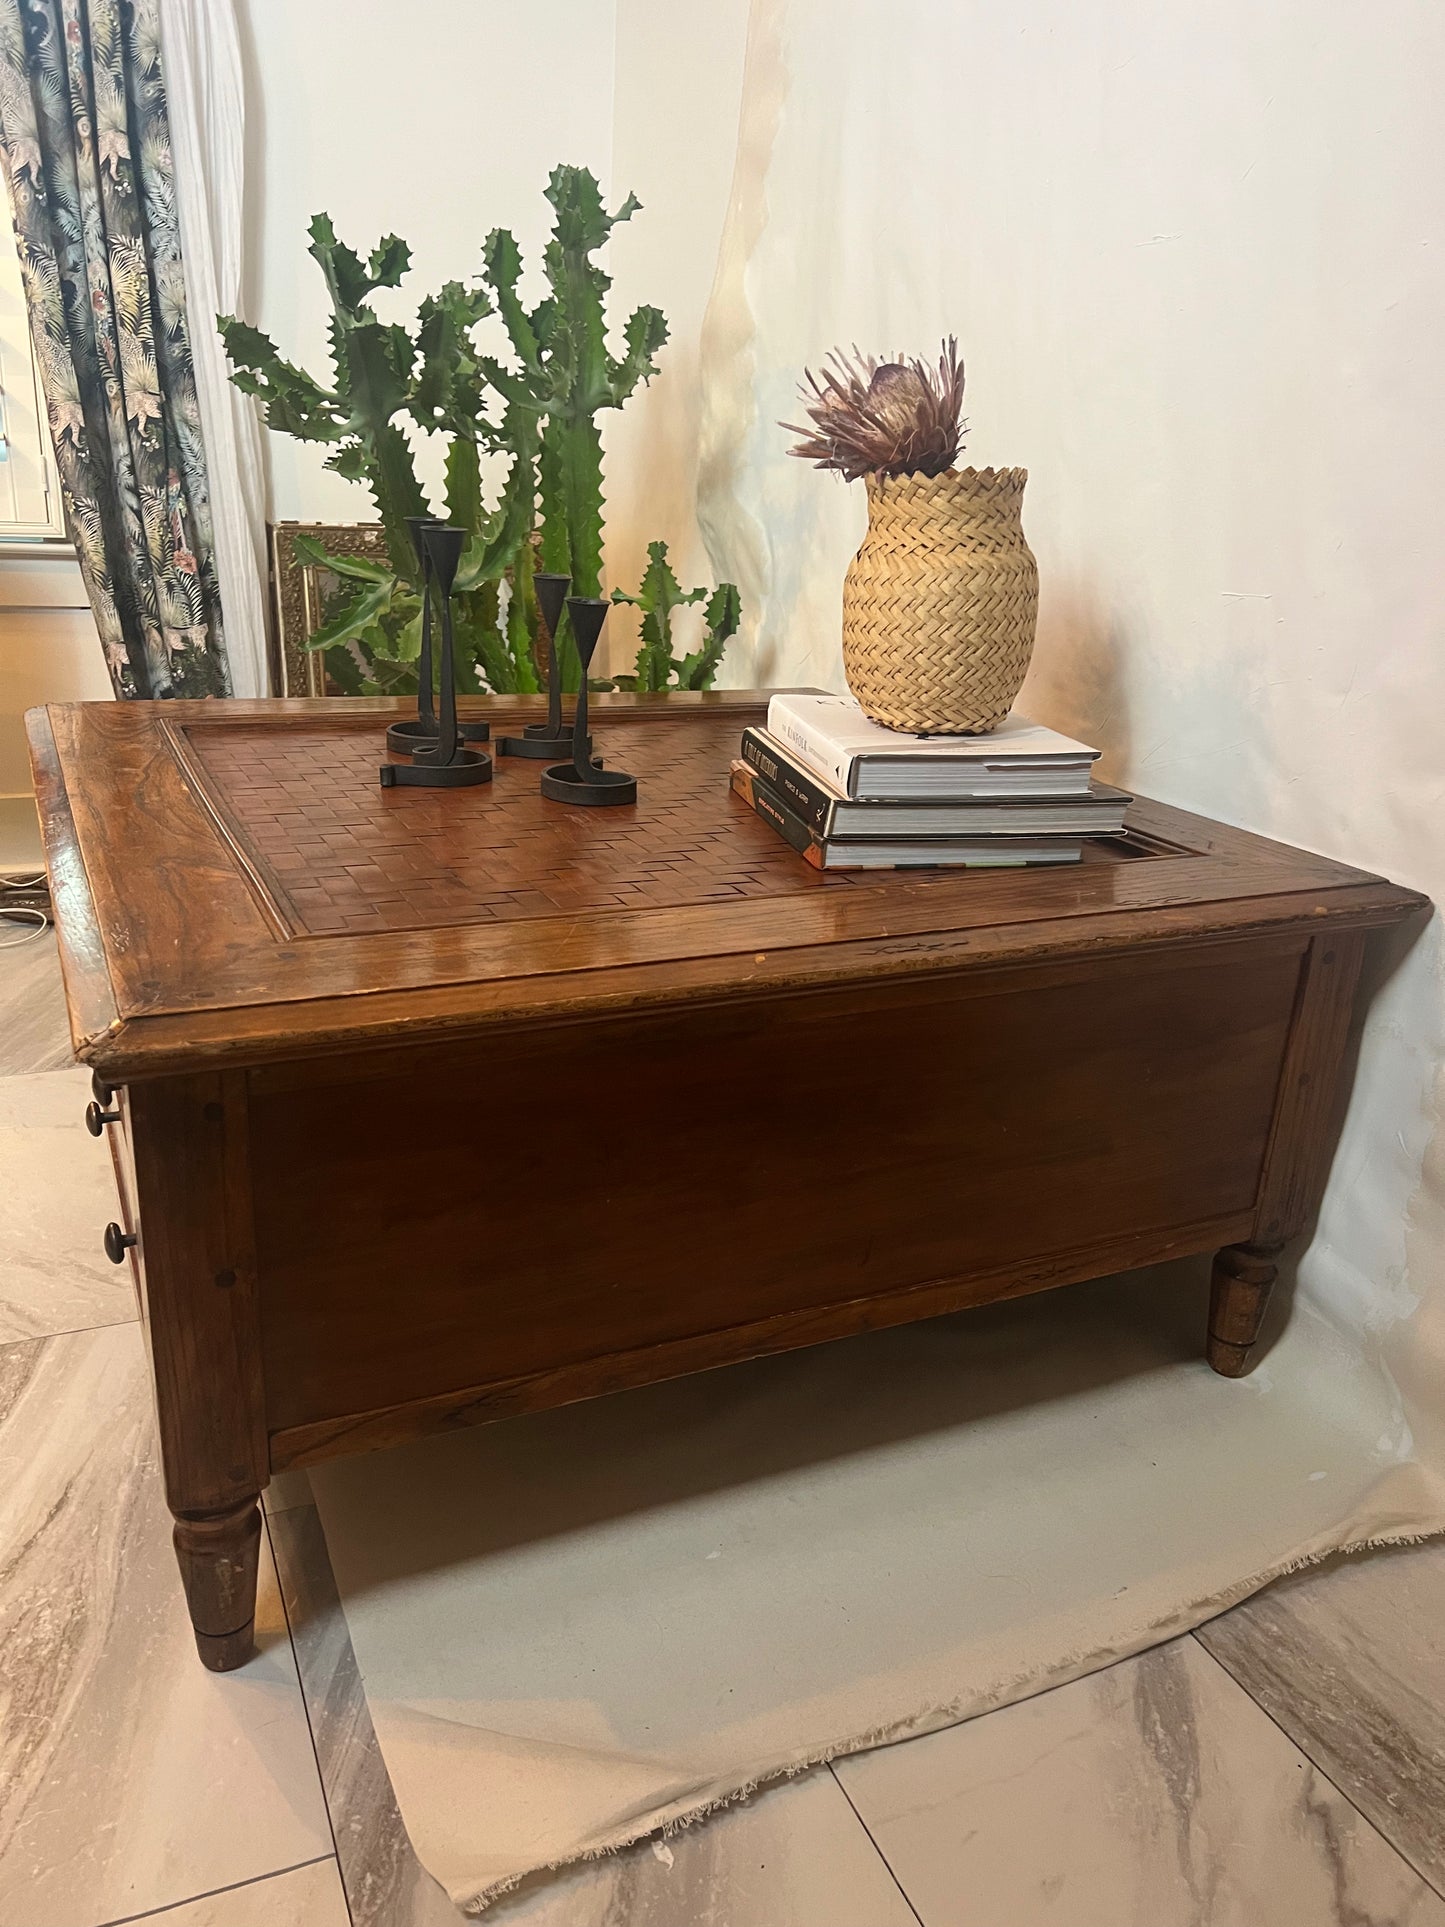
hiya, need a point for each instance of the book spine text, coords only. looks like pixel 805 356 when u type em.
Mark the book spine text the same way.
pixel 816 751
pixel 761 800
pixel 795 787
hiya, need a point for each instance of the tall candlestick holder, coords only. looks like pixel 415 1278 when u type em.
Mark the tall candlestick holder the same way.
pixel 444 764
pixel 554 737
pixel 420 731
pixel 582 781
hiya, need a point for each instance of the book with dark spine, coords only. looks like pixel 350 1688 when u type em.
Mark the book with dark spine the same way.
pixel 915 853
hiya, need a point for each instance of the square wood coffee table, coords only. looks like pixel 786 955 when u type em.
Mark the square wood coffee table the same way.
pixel 430 1107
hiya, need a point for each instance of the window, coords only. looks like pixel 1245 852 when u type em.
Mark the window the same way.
pixel 30 507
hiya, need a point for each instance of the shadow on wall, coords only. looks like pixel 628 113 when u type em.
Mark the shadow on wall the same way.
pixel 1076 682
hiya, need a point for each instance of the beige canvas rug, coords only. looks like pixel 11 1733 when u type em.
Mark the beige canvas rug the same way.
pixel 583 1626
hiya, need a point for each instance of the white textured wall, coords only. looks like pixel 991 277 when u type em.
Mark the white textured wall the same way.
pixel 674 139
pixel 1194 260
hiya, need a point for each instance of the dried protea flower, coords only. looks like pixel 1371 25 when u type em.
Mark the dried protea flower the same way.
pixel 868 417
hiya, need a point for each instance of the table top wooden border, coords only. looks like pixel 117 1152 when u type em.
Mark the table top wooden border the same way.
pixel 153 986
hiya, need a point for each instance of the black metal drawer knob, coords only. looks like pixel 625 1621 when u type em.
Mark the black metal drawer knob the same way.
pixel 117 1243
pixel 96 1119
pixel 100 1090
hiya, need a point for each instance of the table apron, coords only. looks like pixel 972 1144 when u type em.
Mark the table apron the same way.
pixel 596 1205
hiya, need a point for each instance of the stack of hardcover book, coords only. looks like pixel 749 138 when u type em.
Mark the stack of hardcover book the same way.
pixel 851 795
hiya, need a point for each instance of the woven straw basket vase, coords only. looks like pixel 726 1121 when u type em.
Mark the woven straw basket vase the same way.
pixel 941 602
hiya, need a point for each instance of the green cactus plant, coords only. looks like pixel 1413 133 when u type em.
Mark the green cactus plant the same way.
pixel 659 595
pixel 372 364
pixel 382 374
pixel 540 407
pixel 568 372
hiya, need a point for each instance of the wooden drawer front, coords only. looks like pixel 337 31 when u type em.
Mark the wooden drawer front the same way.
pixel 463 1220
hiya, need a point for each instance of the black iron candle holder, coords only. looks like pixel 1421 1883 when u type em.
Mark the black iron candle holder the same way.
pixel 582 781
pixel 420 731
pixel 554 737
pixel 444 764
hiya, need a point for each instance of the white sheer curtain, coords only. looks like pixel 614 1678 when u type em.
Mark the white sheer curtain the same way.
pixel 206 103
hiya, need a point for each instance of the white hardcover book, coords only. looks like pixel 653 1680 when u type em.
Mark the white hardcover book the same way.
pixel 867 762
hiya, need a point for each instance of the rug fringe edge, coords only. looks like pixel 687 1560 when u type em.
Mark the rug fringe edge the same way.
pixel 942 1717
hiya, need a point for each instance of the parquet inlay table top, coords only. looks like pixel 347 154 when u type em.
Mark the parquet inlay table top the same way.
pixel 339 853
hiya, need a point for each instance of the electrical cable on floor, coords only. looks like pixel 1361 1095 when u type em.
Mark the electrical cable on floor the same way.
pixel 42 924
pixel 25 900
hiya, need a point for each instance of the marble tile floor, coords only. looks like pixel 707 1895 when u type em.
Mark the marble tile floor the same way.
pixel 55 1177
pixel 1284 1763
pixel 1156 1791
pixel 1349 1661
pixel 34 1030
pixel 130 1778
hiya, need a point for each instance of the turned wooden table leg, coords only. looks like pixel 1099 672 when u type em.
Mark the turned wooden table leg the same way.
pixel 198 1275
pixel 1239 1294
pixel 219 1554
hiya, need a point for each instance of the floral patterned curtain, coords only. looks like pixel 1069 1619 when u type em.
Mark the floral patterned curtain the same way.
pixel 88 157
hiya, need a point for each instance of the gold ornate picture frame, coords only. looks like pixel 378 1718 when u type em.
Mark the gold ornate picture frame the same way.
pixel 298 594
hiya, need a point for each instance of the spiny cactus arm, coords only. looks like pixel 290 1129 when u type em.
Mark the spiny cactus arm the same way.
pixel 570 475
pixel 543 322
pixel 554 546
pixel 580 221
pixel 293 402
pixel 720 619
pixel 480 638
pixel 582 224
pixel 522 619
pixel 645 334
pixel 724 611
pixel 583 372
pixel 374 364
pixel 502 266
pixel 407 639
pixel 397 494
pixel 511 386
pixel 572 479
pixel 578 366
pixel 378 365
pixel 449 391
pixel 464 484
pixel 659 587
pixel 349 280
pixel 511 522
pixel 658 594
pixel 349 460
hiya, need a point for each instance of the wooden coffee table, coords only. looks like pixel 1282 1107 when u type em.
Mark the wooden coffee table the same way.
pixel 430 1107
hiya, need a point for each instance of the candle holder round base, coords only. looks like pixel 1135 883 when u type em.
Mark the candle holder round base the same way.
pixel 439 761
pixel 473 766
pixel 538 742
pixel 409 737
pixel 602 789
